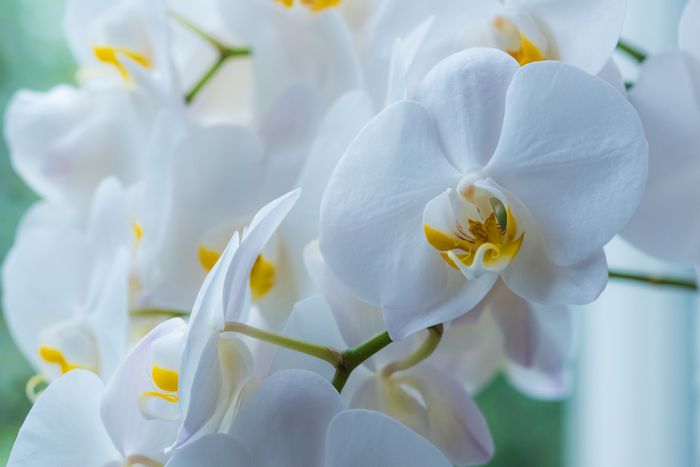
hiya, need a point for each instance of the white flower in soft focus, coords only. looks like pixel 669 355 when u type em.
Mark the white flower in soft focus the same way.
pixel 531 343
pixel 667 99
pixel 65 284
pixel 215 366
pixel 425 398
pixel 295 417
pixel 64 427
pixel 65 141
pixel 300 62
pixel 583 34
pixel 438 197
pixel 79 421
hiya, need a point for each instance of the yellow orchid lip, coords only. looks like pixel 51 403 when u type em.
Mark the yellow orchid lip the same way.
pixel 166 383
pixel 54 356
pixel 263 274
pixel 486 242
pixel 313 5
pixel 112 55
pixel 526 51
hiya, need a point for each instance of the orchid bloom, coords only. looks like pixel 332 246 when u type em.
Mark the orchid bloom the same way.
pixel 425 398
pixel 102 127
pixel 265 432
pixel 465 187
pixel 582 34
pixel 216 365
pixel 65 285
pixel 90 424
pixel 666 98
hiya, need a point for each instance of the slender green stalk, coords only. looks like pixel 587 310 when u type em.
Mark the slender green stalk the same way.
pixel 688 284
pixel 328 354
pixel 159 312
pixel 633 52
pixel 352 358
pixel 199 31
pixel 426 349
pixel 225 52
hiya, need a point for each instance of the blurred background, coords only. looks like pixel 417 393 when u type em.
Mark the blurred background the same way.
pixel 633 404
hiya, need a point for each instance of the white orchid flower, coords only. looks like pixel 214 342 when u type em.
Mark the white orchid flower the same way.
pixel 424 397
pixel 265 432
pixel 215 365
pixel 101 128
pixel 466 186
pixel 65 285
pixel 90 424
pixel 583 34
pixel 671 119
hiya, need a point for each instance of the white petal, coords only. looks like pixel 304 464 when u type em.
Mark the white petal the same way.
pixel 537 341
pixel 225 365
pixel 44 277
pixel 214 450
pixel 371 215
pixel 584 34
pixel 688 32
pixel 435 406
pixel 357 320
pixel 211 183
pixel 664 224
pixel 64 426
pixel 310 321
pixel 268 422
pixel 131 433
pixel 466 94
pixel 362 437
pixel 462 296
pixel 259 232
pixel 471 349
pixel 534 277
pixel 580 167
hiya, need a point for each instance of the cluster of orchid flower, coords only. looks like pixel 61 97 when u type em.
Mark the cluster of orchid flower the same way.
pixel 278 232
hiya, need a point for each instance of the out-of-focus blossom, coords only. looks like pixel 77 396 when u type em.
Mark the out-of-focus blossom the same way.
pixel 66 285
pixel 666 97
pixel 265 432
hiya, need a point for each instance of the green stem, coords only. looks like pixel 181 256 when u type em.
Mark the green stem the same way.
pixel 632 51
pixel 220 46
pixel 689 284
pixel 159 312
pixel 352 358
pixel 426 349
pixel 328 354
pixel 225 52
pixel 216 66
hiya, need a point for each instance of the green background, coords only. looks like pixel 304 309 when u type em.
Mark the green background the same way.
pixel 33 55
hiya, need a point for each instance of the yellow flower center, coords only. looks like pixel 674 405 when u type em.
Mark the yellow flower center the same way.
pixel 54 356
pixel 262 276
pixel 485 240
pixel 114 55
pixel 313 5
pixel 525 51
pixel 166 381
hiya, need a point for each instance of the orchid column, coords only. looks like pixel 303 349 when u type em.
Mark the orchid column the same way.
pixel 634 404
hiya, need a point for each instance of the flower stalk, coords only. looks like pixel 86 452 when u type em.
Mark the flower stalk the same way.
pixel 688 284
pixel 426 349
pixel 328 354
pixel 225 52
pixel 631 51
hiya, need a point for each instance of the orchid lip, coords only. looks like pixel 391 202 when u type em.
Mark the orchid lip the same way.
pixel 473 229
